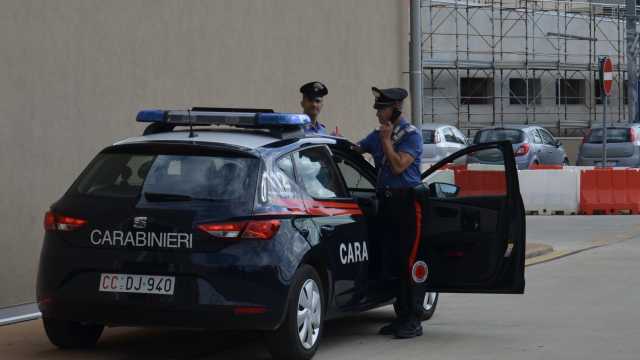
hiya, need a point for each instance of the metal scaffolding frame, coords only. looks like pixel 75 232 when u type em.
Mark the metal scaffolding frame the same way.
pixel 508 32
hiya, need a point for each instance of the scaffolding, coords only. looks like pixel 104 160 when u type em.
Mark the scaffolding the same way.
pixel 552 47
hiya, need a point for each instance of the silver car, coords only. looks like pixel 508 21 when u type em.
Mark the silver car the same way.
pixel 623 146
pixel 440 141
pixel 532 145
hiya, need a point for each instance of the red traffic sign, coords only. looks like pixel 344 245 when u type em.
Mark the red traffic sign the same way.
pixel 606 73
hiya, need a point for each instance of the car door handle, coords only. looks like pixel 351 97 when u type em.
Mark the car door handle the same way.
pixel 327 228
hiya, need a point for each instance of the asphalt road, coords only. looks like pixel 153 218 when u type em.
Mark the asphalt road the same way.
pixel 579 305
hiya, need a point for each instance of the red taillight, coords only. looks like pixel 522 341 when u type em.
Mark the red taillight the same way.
pixel 586 136
pixel 258 229
pixel 632 135
pixel 522 150
pixel 53 222
pixel 263 230
pixel 226 230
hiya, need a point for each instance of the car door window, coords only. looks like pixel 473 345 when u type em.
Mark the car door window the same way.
pixel 317 175
pixel 357 183
pixel 448 135
pixel 546 137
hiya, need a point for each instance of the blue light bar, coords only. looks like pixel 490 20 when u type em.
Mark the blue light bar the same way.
pixel 230 118
pixel 149 116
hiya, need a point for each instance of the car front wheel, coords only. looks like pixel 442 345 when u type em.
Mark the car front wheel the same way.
pixel 70 334
pixel 299 335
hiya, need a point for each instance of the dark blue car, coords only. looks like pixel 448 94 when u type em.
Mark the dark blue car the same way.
pixel 238 221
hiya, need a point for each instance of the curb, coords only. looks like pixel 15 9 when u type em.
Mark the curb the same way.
pixel 536 249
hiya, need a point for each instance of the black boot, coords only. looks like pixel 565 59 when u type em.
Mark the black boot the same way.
pixel 390 328
pixel 408 329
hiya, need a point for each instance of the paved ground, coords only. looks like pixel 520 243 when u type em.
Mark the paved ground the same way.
pixel 582 306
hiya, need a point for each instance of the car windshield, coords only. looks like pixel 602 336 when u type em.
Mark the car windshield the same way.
pixel 428 136
pixel 491 135
pixel 170 177
pixel 614 135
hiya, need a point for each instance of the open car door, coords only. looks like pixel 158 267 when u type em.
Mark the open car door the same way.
pixel 473 222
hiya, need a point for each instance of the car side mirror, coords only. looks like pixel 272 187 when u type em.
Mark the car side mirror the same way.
pixel 558 143
pixel 443 190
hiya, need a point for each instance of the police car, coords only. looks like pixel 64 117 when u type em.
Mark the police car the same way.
pixel 233 219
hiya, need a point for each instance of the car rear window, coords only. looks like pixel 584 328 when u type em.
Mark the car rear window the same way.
pixel 491 135
pixel 170 176
pixel 614 135
pixel 428 136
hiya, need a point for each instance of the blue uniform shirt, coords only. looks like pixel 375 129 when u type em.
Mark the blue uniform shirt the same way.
pixel 318 129
pixel 407 139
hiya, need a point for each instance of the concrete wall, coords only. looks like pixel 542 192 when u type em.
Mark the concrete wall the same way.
pixel 74 73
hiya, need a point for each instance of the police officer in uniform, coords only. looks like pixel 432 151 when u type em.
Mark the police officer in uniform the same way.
pixel 396 148
pixel 312 101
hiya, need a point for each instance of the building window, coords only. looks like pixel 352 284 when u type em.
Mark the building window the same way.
pixel 476 91
pixel 524 91
pixel 571 92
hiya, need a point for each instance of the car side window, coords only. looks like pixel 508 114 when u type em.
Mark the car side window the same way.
pixel 317 175
pixel 546 137
pixel 286 165
pixel 353 176
pixel 459 136
pixel 537 139
pixel 448 135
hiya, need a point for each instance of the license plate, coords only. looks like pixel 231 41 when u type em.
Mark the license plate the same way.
pixel 137 284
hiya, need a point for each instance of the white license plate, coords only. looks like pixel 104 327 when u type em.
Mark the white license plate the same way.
pixel 138 284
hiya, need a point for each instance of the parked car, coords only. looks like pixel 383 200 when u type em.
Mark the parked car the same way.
pixel 532 145
pixel 623 146
pixel 440 141
pixel 254 226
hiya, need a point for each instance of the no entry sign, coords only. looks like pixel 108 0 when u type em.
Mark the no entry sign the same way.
pixel 606 75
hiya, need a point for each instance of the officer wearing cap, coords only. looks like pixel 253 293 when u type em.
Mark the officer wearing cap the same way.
pixel 396 148
pixel 312 101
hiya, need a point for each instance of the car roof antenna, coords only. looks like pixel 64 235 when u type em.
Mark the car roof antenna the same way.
pixel 191 133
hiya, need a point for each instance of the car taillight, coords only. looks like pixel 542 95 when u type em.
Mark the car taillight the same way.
pixel 586 136
pixel 437 138
pixel 257 229
pixel 632 135
pixel 53 222
pixel 522 150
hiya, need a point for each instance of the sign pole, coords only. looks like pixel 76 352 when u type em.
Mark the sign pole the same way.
pixel 605 98
pixel 606 82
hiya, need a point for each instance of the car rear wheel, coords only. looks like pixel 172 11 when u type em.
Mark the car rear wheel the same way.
pixel 429 304
pixel 299 335
pixel 71 334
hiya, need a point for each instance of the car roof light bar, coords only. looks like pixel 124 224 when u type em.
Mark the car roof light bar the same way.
pixel 249 118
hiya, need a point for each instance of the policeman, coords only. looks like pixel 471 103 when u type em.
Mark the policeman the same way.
pixel 396 148
pixel 312 101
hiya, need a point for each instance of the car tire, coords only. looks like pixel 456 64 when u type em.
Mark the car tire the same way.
pixel 71 334
pixel 428 306
pixel 306 306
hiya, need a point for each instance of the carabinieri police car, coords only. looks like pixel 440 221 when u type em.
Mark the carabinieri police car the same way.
pixel 238 221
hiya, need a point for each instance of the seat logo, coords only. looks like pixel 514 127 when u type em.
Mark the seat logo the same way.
pixel 140 222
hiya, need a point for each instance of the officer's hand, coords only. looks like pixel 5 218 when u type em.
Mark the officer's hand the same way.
pixel 385 131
